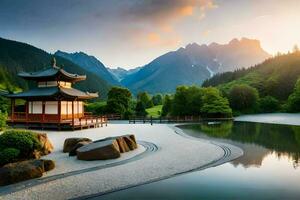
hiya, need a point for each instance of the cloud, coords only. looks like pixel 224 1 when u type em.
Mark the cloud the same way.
pixel 157 20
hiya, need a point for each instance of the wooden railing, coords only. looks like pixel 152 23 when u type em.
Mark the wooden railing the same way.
pixel 177 119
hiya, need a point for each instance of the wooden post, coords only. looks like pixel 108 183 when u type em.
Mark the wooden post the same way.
pixel 12 110
pixel 73 115
pixel 151 119
pixel 59 114
pixel 43 113
pixel 26 112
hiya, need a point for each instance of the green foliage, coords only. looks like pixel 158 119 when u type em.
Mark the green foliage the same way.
pixel 145 99
pixel 155 111
pixel 118 100
pixel 243 98
pixel 140 109
pixel 269 104
pixel 167 106
pixel 3 118
pixel 25 141
pixel 214 105
pixel 187 101
pixel 157 99
pixel 9 155
pixel 274 77
pixel 97 108
pixel 293 104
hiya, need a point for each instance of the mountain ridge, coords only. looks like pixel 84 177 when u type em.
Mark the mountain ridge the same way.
pixel 193 64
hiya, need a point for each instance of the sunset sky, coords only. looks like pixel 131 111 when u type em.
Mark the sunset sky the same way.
pixel 131 33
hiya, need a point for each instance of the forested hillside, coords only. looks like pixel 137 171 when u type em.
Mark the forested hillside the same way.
pixel 17 56
pixel 274 77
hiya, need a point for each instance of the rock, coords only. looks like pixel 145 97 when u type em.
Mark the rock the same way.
pixel 24 170
pixel 122 145
pixel 47 146
pixel 130 141
pixel 70 143
pixel 78 145
pixel 121 142
pixel 49 165
pixel 101 150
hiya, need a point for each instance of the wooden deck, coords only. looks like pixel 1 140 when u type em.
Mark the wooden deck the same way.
pixel 19 120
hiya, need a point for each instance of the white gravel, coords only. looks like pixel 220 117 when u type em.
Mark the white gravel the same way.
pixel 176 154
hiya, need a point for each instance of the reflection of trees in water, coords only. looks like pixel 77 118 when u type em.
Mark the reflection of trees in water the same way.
pixel 283 139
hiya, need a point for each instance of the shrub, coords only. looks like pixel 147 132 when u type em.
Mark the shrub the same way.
pixel 243 98
pixel 293 104
pixel 269 104
pixel 25 141
pixel 9 155
pixel 214 105
pixel 3 118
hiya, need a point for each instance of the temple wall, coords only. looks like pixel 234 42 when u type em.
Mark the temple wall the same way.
pixel 51 107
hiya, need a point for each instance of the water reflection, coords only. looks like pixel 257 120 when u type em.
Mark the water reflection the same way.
pixel 268 169
pixel 256 139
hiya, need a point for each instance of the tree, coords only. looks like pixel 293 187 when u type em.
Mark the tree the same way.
pixel 118 100
pixel 268 104
pixel 293 103
pixel 140 109
pixel 157 99
pixel 214 105
pixel 144 97
pixel 187 101
pixel 167 106
pixel 243 98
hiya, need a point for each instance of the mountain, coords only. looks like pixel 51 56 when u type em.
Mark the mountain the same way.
pixel 89 63
pixel 194 64
pixel 16 56
pixel 275 76
pixel 121 73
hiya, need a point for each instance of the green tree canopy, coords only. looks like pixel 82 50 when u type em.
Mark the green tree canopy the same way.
pixel 214 105
pixel 157 99
pixel 294 99
pixel 269 104
pixel 167 106
pixel 243 98
pixel 118 100
pixel 145 98
pixel 187 101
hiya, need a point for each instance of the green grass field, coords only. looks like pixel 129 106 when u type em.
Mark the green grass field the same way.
pixel 154 111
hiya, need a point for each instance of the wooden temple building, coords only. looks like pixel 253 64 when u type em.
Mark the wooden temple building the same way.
pixel 53 103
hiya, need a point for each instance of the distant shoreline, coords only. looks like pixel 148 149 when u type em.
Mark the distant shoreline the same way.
pixel 272 118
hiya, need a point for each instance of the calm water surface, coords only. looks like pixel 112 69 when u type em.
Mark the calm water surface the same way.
pixel 269 168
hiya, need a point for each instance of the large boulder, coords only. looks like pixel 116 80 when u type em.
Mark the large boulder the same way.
pixel 78 145
pixel 24 170
pixel 101 150
pixel 47 146
pixel 121 142
pixel 130 141
pixel 70 143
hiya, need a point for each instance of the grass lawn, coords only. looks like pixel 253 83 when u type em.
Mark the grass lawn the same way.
pixel 154 111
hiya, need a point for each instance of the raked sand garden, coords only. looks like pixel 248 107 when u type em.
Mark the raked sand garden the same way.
pixel 163 151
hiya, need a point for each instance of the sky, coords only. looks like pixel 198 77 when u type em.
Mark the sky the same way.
pixel 131 33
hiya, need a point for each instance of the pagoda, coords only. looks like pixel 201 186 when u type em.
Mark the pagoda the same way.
pixel 53 102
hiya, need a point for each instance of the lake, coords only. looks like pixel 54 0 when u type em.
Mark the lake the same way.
pixel 269 168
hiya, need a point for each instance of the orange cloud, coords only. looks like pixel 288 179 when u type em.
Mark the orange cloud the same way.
pixel 186 10
pixel 153 38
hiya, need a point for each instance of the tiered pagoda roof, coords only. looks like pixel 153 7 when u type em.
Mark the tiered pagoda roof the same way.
pixel 53 73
